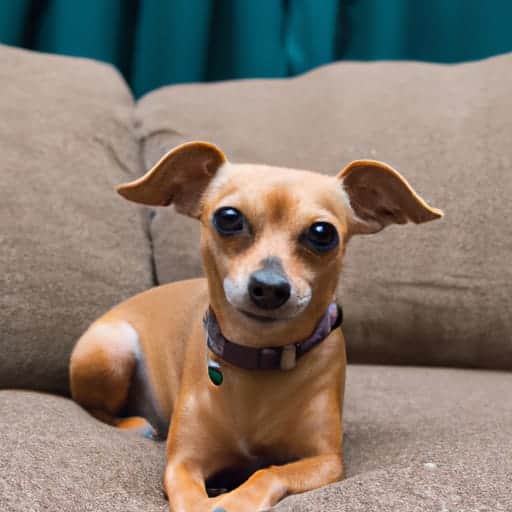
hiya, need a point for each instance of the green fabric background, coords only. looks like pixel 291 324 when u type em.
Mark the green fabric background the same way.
pixel 159 42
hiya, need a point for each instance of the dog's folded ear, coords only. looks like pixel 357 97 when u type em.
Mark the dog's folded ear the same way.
pixel 180 177
pixel 380 196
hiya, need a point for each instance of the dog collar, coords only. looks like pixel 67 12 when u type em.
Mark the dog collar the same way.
pixel 269 358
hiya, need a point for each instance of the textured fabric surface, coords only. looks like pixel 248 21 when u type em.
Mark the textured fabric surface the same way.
pixel 55 457
pixel 435 294
pixel 416 439
pixel 70 246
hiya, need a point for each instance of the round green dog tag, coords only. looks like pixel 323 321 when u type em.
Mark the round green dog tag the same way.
pixel 215 373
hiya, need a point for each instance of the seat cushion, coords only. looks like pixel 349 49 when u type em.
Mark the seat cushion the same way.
pixel 70 246
pixel 435 294
pixel 54 456
pixel 415 439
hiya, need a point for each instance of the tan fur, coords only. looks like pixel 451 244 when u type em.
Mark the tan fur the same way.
pixel 101 367
pixel 293 419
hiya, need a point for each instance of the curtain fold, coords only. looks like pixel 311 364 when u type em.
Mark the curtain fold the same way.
pixel 247 39
pixel 171 43
pixel 312 33
pixel 434 30
pixel 160 42
pixel 13 21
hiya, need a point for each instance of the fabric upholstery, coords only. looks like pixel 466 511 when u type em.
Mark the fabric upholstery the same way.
pixel 415 440
pixel 435 294
pixel 70 246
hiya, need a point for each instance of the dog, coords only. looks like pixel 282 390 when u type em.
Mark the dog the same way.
pixel 249 362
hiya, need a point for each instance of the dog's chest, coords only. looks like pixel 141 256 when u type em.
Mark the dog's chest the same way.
pixel 269 412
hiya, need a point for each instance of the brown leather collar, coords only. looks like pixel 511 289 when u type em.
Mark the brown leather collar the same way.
pixel 270 358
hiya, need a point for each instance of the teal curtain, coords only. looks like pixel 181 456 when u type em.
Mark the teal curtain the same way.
pixel 159 42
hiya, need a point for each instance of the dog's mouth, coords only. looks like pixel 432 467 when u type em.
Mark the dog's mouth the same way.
pixel 275 318
pixel 260 318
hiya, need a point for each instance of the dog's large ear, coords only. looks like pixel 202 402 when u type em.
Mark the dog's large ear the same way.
pixel 180 177
pixel 380 196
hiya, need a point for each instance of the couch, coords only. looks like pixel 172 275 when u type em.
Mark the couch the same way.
pixel 428 323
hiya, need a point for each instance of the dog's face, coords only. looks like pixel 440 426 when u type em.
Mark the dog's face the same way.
pixel 273 239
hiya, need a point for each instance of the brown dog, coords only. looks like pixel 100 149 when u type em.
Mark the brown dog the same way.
pixel 258 382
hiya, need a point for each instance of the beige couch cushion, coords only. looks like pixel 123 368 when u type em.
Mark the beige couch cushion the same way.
pixel 436 294
pixel 415 440
pixel 70 247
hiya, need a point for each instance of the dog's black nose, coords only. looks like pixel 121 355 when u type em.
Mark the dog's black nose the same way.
pixel 268 289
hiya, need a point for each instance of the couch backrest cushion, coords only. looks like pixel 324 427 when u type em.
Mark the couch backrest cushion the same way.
pixel 70 247
pixel 434 294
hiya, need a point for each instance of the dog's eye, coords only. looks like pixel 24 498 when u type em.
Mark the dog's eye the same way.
pixel 228 221
pixel 321 237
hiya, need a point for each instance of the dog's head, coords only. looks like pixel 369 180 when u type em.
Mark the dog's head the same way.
pixel 273 239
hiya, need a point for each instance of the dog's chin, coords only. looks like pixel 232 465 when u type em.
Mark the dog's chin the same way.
pixel 266 319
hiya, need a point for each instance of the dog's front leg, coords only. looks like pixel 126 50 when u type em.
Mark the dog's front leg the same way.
pixel 267 486
pixel 185 489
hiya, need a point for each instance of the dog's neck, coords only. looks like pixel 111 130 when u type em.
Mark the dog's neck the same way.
pixel 283 357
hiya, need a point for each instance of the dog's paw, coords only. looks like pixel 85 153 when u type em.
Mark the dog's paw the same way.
pixel 239 505
pixel 138 426
pixel 149 433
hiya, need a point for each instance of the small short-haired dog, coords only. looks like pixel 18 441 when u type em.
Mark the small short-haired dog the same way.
pixel 245 368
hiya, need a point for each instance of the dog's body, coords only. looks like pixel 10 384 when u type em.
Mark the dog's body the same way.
pixel 272 244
